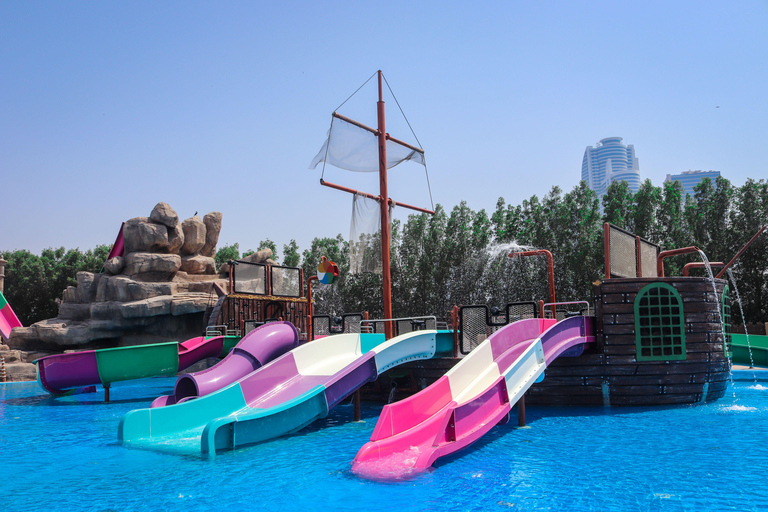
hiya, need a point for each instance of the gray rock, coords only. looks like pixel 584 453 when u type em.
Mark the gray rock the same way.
pixel 23 337
pixel 162 213
pixel 194 235
pixel 57 332
pixel 118 289
pixel 114 265
pixel 145 262
pixel 20 372
pixel 198 264
pixel 69 295
pixel 186 303
pixel 142 235
pixel 71 311
pixel 260 256
pixel 148 307
pixel 140 290
pixel 86 291
pixel 212 223
pixel 13 356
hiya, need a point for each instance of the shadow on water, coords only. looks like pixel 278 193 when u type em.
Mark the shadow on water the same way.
pixel 50 401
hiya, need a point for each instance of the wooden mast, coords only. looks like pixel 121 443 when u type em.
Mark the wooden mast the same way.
pixel 383 199
pixel 386 275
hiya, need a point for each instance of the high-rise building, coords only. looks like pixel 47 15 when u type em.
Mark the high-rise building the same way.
pixel 690 179
pixel 610 161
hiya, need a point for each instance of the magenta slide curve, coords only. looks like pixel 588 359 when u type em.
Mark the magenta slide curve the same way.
pixel 470 399
pixel 256 349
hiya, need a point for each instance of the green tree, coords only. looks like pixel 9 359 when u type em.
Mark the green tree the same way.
pixel 292 256
pixel 226 253
pixel 618 204
pixel 645 211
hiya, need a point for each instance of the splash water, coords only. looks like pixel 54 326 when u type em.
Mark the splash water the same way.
pixel 395 467
pixel 719 311
pixel 746 333
pixel 392 393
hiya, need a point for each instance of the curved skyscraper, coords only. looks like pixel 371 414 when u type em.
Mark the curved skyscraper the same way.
pixel 610 161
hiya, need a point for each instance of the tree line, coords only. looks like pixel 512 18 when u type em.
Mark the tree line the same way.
pixel 461 257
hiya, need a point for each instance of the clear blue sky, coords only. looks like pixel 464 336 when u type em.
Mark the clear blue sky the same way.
pixel 107 108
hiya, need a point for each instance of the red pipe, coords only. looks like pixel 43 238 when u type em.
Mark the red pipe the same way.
pixel 672 252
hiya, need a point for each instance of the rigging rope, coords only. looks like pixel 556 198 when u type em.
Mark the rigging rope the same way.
pixel 426 172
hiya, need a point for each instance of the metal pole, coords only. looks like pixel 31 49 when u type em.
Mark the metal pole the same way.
pixel 521 412
pixel 384 203
pixel 741 252
pixel 2 275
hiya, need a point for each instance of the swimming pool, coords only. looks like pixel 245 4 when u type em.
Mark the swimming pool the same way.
pixel 62 455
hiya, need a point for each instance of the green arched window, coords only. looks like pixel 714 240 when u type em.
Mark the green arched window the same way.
pixel 726 305
pixel 659 324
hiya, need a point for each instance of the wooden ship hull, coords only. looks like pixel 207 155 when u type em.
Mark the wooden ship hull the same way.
pixel 611 374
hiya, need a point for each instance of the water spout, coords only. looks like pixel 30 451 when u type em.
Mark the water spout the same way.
pixel 746 333
pixel 719 312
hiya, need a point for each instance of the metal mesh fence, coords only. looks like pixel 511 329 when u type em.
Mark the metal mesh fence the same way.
pixel 649 254
pixel 352 322
pixel 477 322
pixel 473 327
pixel 251 325
pixel 321 325
pixel 622 253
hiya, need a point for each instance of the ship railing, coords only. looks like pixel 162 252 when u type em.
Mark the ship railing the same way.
pixel 220 330
pixel 400 325
pixel 556 311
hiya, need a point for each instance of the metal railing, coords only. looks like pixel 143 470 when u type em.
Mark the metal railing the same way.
pixel 562 314
pixel 401 325
pixel 221 330
pixel 477 322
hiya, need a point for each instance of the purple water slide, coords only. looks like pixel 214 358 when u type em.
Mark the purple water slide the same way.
pixel 58 373
pixel 257 348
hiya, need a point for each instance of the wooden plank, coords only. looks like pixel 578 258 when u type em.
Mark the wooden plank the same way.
pixel 640 400
pixel 570 391
pixel 623 359
pixel 635 380
pixel 554 400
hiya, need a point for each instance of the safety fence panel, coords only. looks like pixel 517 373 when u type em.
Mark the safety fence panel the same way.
pixel 250 278
pixel 477 322
pixel 286 281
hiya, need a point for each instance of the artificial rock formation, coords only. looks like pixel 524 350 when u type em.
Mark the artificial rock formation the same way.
pixel 158 290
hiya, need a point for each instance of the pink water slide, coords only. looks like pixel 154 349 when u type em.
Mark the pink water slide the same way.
pixel 8 319
pixel 469 400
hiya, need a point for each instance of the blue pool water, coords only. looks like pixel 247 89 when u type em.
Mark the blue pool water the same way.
pixel 62 455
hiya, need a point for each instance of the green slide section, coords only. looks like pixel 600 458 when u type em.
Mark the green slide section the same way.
pixel 128 363
pixel 229 344
pixel 758 345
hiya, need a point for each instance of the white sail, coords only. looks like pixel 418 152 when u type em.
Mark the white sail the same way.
pixel 356 149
